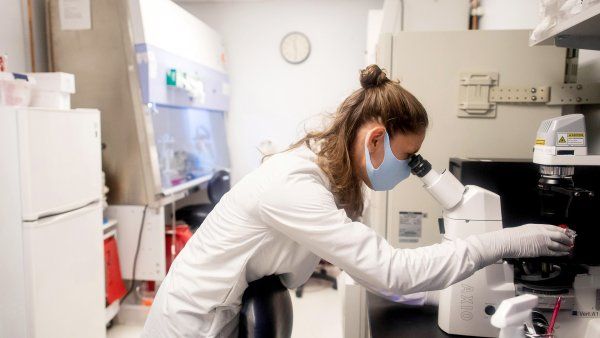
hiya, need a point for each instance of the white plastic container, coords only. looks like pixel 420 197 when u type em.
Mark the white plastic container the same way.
pixel 52 90
pixel 14 92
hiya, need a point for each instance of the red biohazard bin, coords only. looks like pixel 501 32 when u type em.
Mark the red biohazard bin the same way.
pixel 115 287
pixel 182 235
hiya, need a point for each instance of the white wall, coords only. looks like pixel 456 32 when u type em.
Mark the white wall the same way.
pixel 272 99
pixel 428 15
pixel 425 15
pixel 589 71
pixel 374 23
pixel 509 14
pixel 12 35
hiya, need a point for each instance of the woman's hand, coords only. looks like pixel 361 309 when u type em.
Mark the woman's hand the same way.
pixel 529 240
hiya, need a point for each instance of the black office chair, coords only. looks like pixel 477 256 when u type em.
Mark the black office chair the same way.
pixel 194 215
pixel 319 273
pixel 266 310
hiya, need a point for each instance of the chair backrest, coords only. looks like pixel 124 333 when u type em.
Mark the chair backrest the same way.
pixel 266 310
pixel 218 186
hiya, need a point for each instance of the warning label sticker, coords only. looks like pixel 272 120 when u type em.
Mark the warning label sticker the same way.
pixel 410 226
pixel 570 139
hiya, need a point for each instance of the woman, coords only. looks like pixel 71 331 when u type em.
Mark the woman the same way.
pixel 304 204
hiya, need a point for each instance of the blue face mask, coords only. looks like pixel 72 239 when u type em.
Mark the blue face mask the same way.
pixel 391 171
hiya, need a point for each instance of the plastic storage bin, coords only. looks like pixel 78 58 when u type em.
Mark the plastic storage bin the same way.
pixel 52 90
pixel 115 287
pixel 15 90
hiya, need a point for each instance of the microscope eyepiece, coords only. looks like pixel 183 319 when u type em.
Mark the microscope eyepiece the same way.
pixel 419 166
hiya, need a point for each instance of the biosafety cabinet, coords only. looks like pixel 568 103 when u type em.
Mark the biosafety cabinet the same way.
pixel 157 74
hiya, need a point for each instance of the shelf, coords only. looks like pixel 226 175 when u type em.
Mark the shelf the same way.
pixel 111 311
pixel 187 185
pixel 581 30
pixel 110 224
pixel 110 233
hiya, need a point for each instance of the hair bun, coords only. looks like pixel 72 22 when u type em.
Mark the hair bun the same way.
pixel 372 76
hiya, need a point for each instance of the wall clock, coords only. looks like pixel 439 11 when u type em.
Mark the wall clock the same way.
pixel 295 47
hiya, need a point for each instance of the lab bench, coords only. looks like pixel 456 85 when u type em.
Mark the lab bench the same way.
pixel 394 320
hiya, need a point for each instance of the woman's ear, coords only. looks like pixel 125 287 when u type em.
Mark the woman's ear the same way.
pixel 375 138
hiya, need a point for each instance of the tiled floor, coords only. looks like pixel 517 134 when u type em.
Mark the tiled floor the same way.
pixel 318 314
pixel 124 331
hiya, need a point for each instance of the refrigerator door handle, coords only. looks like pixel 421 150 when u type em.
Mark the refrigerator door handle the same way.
pixel 56 218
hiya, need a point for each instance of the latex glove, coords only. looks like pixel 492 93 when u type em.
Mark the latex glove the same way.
pixel 529 240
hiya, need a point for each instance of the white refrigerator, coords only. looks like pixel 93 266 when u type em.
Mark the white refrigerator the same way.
pixel 51 244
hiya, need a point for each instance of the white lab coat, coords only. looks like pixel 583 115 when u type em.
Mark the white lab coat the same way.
pixel 280 219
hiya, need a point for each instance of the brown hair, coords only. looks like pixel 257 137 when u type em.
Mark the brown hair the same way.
pixel 379 99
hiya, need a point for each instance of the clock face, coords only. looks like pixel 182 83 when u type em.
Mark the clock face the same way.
pixel 295 47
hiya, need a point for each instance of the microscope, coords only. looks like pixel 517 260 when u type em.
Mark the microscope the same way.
pixel 561 153
pixel 465 308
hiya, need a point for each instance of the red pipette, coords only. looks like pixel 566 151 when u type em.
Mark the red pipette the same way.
pixel 554 314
